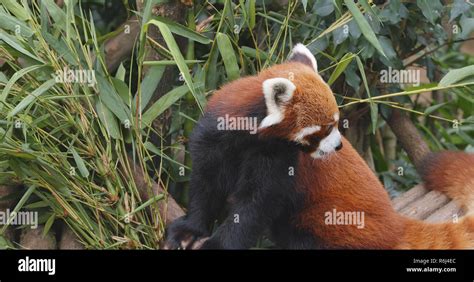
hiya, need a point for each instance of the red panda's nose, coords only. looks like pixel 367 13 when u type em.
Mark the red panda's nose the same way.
pixel 339 147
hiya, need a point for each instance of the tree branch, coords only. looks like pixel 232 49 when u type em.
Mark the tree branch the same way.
pixel 169 209
pixel 120 47
pixel 408 136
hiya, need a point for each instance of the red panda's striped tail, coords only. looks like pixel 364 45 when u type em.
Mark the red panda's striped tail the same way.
pixel 451 173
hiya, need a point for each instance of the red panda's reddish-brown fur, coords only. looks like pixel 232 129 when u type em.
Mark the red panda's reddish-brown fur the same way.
pixel 244 170
pixel 344 182
pixel 451 173
pixel 256 183
pixel 313 102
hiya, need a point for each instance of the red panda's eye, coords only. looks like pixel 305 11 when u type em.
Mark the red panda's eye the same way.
pixel 330 128
pixel 314 139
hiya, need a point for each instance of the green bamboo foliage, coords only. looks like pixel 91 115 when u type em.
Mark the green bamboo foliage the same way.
pixel 65 138
pixel 69 142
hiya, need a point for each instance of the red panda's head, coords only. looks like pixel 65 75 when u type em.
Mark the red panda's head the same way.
pixel 300 105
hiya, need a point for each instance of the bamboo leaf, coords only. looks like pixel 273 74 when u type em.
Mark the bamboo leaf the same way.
pixel 433 108
pixel 466 137
pixel 374 110
pixel 364 26
pixel 112 99
pixel 178 57
pixel 108 119
pixel 60 47
pixel 15 8
pixel 304 3
pixel 31 97
pixel 37 205
pixel 19 206
pixel 3 78
pixel 80 163
pixel 228 56
pixel 58 15
pixel 162 104
pixel 19 74
pixel 122 90
pixel 8 39
pixel 341 67
pixel 48 224
pixel 252 53
pixel 251 13
pixel 14 24
pixel 5 244
pixel 121 71
pixel 179 29
pixel 456 75
pixel 169 62
pixel 150 201
pixel 369 9
pixel 429 9
pixel 148 85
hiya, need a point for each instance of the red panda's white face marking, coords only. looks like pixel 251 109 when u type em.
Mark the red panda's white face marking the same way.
pixel 300 136
pixel 301 109
pixel 322 142
pixel 329 144
pixel 332 142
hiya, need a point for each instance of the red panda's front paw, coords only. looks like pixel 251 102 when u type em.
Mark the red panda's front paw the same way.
pixel 211 244
pixel 197 245
pixel 183 241
pixel 181 236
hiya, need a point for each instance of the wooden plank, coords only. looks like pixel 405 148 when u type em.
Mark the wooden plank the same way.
pixel 409 197
pixel 446 213
pixel 425 206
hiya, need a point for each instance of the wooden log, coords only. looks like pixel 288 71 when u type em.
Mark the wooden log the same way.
pixel 425 206
pixel 69 240
pixel 7 202
pixel 33 239
pixel 449 212
pixel 409 197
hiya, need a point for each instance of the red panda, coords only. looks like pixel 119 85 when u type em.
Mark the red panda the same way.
pixel 244 169
pixel 343 182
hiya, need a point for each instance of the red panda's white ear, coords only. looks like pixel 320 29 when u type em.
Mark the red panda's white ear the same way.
pixel 302 54
pixel 277 92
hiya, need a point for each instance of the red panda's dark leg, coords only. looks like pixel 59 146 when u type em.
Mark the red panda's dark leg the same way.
pixel 184 231
pixel 299 239
pixel 260 196
pixel 204 205
pixel 287 233
pixel 207 198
